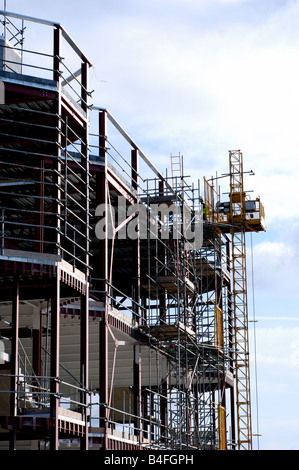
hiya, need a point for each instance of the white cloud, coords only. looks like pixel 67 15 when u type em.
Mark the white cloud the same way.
pixel 276 267
pixel 181 87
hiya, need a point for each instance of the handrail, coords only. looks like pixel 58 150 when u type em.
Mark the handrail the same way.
pixel 134 145
pixel 30 389
pixel 55 24
pixel 17 65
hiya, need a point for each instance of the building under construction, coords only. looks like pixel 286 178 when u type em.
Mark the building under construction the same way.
pixel 123 308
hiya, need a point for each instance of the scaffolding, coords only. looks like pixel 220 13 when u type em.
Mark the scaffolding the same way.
pixel 122 322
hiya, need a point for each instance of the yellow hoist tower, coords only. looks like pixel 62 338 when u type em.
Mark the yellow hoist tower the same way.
pixel 236 217
pixel 244 216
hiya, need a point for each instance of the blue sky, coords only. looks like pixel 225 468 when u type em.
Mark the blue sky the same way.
pixel 203 77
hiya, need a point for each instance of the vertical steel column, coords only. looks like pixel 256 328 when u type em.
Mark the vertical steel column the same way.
pixel 37 353
pixel 55 345
pixel 57 158
pixel 84 363
pixel 14 356
pixel 164 402
pixel 102 198
pixel 55 299
pixel 37 345
pixel 85 229
pixel 162 255
pixel 136 305
pixel 163 319
pixel 40 207
pixel 231 348
pixel 134 168
pixel 145 413
pixel 137 390
pixel 136 244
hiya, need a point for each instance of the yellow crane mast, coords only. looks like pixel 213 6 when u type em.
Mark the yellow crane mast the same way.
pixel 236 217
pixel 244 216
pixel 239 290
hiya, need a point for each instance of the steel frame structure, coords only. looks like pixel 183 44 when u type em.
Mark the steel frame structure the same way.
pixel 45 232
pixel 107 341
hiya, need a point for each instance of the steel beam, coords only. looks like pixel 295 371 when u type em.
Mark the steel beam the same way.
pixel 102 198
pixel 84 364
pixel 137 390
pixel 84 325
pixel 14 356
pixel 55 345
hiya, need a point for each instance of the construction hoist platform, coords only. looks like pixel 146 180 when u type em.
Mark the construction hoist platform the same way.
pixel 236 217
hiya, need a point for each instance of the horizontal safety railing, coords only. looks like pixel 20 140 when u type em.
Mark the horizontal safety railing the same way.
pixel 45 196
pixel 34 393
pixel 150 432
pixel 25 63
